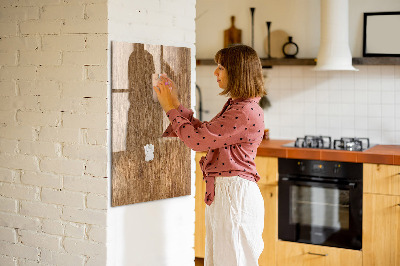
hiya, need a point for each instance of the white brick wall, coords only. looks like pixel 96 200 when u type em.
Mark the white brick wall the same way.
pixel 53 113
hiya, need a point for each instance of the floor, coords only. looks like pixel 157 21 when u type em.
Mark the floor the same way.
pixel 199 262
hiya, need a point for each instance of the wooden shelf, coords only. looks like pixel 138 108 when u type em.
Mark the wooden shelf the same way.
pixel 312 61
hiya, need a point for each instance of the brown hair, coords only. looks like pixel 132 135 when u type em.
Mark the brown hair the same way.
pixel 245 78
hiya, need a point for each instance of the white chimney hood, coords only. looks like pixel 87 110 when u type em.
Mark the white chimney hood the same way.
pixel 334 51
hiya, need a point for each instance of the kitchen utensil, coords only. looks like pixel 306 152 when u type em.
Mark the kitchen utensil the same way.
pixel 232 35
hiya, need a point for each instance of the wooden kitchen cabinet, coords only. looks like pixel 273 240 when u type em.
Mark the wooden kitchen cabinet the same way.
pixel 270 233
pixel 381 215
pixel 267 167
pixel 200 207
pixel 298 254
pixel 381 230
pixel 381 179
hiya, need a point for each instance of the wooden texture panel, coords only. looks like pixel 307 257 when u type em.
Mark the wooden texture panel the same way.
pixel 298 254
pixel 200 207
pixel 381 230
pixel 267 168
pixel 138 123
pixel 381 179
pixel 270 233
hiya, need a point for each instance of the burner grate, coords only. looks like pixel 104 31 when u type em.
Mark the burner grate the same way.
pixel 351 144
pixel 320 142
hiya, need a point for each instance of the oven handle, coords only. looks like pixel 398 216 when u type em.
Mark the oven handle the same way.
pixel 297 181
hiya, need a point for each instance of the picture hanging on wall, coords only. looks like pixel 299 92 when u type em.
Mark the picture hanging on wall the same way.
pixel 144 165
pixel 381 34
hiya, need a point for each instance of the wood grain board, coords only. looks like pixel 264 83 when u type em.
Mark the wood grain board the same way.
pixel 138 122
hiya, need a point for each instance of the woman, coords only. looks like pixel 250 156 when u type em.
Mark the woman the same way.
pixel 235 207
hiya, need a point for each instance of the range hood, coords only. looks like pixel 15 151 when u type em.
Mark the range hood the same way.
pixel 334 51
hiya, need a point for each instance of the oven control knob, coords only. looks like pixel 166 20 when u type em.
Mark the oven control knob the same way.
pixel 336 169
pixel 302 167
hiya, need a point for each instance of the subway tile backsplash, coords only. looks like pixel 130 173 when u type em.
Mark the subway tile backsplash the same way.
pixel 365 103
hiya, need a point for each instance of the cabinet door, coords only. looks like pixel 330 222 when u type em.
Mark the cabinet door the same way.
pixel 297 254
pixel 270 233
pixel 267 168
pixel 381 230
pixel 381 179
pixel 200 207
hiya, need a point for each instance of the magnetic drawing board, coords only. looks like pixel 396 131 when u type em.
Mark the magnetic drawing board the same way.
pixel 144 166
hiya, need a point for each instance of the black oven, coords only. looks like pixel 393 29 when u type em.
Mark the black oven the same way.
pixel 320 202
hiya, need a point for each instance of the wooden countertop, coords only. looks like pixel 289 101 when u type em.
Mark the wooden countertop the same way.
pixel 379 154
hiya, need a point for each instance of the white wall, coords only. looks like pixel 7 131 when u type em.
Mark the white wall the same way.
pixel 338 104
pixel 299 18
pixel 53 83
pixel 158 232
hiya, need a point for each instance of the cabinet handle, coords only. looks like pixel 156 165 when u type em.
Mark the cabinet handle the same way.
pixel 398 204
pixel 318 254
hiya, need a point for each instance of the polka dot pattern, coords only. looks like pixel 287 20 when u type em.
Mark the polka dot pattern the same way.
pixel 231 139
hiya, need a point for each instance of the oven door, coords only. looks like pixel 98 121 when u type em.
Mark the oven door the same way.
pixel 321 212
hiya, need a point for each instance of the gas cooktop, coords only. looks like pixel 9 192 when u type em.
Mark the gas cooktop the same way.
pixel 325 142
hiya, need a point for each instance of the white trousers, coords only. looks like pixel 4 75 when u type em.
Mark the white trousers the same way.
pixel 234 223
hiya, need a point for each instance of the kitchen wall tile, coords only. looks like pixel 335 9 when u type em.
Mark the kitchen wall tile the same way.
pixel 374 84
pixel 361 123
pixel 397 110
pixel 334 109
pixel 361 110
pixel 374 97
pixel 387 71
pixel 375 136
pixel 369 97
pixel 374 123
pixel 374 110
pixel 397 123
pixel 322 95
pixel 348 96
pixel 348 132
pixel 361 97
pixel 285 72
pixel 310 95
pixel 388 110
pixel 322 121
pixel 397 95
pixel 388 124
pixel 374 70
pixel 335 122
pixel 388 84
pixel 389 136
pixel 310 109
pixel 308 72
pixel 335 95
pixel 297 83
pixel 322 74
pixel 397 72
pixel 297 72
pixel 397 133
pixel 347 122
pixel 322 109
pixel 388 97
pixel 347 109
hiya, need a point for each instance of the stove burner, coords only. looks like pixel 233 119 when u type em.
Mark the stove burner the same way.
pixel 351 144
pixel 324 142
pixel 308 141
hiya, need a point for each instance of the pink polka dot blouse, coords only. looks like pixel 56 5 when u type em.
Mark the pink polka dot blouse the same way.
pixel 231 139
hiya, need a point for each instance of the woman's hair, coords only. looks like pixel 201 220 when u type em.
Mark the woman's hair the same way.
pixel 245 78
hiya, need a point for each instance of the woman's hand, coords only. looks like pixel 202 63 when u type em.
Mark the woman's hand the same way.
pixel 174 91
pixel 164 95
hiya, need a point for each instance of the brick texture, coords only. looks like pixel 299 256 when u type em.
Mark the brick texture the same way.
pixel 53 113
